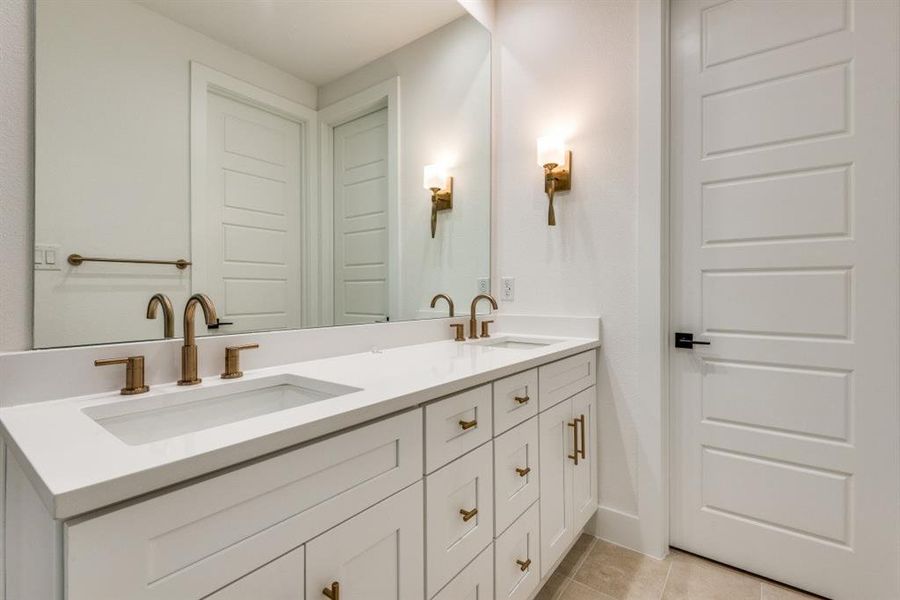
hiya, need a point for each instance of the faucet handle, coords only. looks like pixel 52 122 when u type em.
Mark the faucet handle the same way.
pixel 484 329
pixel 459 327
pixel 134 373
pixel 233 360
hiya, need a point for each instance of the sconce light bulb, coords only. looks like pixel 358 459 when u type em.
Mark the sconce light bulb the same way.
pixel 551 150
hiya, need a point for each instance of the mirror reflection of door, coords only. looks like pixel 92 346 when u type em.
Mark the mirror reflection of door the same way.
pixel 361 220
pixel 253 216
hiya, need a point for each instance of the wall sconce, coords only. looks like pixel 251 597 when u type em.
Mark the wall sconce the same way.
pixel 441 187
pixel 557 164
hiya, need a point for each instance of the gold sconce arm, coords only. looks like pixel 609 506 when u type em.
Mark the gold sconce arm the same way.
pixel 441 199
pixel 557 178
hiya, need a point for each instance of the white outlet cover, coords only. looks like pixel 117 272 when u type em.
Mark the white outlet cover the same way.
pixel 508 289
pixel 484 285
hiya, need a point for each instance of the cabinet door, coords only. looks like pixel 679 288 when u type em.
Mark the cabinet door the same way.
pixel 556 445
pixel 281 579
pixel 584 478
pixel 464 486
pixel 376 555
pixel 475 582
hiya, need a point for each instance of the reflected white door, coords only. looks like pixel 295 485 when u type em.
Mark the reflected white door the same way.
pixel 361 220
pixel 253 232
pixel 784 255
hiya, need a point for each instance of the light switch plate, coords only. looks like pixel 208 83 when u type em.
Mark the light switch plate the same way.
pixel 508 289
pixel 47 257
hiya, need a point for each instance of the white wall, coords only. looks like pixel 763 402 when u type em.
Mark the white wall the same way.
pixel 112 160
pixel 572 67
pixel 445 116
pixel 16 174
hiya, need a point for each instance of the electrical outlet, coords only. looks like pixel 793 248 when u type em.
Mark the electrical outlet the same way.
pixel 508 289
pixel 484 285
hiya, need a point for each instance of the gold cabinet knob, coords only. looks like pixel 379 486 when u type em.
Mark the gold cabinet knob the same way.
pixel 460 332
pixel 468 515
pixel 233 360
pixel 466 425
pixel 333 592
pixel 523 472
pixel 522 399
pixel 524 564
pixel 484 329
pixel 134 373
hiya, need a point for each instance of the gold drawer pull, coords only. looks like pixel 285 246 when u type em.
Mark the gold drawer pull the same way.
pixel 522 399
pixel 574 426
pixel 468 514
pixel 524 564
pixel 334 592
pixel 466 425
pixel 523 472
pixel 582 451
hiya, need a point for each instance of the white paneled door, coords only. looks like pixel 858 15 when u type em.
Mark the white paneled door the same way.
pixel 361 220
pixel 253 226
pixel 784 256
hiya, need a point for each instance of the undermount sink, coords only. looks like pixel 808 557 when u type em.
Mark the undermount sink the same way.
pixel 517 342
pixel 181 411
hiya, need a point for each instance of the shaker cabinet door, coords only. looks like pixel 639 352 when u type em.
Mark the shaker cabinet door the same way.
pixel 584 478
pixel 281 579
pixel 557 444
pixel 376 555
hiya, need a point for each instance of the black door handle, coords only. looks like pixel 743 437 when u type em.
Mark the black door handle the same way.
pixel 686 340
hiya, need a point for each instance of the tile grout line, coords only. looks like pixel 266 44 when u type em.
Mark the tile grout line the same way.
pixel 570 578
pixel 666 581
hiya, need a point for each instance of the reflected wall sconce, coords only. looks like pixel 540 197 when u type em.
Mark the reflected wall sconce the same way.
pixel 441 186
pixel 557 164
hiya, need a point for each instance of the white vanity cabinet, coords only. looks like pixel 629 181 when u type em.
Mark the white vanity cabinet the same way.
pixel 476 495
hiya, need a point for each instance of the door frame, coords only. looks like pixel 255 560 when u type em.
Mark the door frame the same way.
pixel 381 95
pixel 648 531
pixel 204 80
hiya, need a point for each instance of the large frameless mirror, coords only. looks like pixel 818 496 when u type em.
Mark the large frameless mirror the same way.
pixel 303 163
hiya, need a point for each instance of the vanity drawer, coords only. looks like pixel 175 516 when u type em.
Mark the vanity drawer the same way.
pixel 515 400
pixel 516 577
pixel 475 582
pixel 565 378
pixel 463 485
pixel 192 541
pixel 455 425
pixel 516 475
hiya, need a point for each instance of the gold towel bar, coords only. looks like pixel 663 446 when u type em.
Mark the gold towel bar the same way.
pixel 77 259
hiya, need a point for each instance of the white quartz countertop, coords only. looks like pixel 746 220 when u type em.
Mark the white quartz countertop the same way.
pixel 78 466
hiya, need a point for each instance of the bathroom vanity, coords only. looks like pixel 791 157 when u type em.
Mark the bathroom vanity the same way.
pixel 431 471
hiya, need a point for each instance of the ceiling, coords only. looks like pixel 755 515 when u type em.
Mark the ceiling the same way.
pixel 315 40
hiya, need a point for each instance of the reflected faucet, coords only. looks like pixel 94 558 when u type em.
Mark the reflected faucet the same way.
pixel 189 349
pixel 161 300
pixel 449 302
pixel 473 322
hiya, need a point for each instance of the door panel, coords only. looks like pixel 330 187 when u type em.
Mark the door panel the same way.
pixel 252 215
pixel 361 220
pixel 785 431
pixel 557 520
pixel 376 555
pixel 584 474
pixel 281 579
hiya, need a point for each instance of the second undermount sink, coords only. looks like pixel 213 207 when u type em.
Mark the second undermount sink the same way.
pixel 517 342
pixel 181 411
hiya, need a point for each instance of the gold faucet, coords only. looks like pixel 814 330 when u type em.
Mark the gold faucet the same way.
pixel 449 301
pixel 161 300
pixel 473 322
pixel 189 349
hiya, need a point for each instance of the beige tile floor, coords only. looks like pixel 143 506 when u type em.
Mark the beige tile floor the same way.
pixel 598 570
